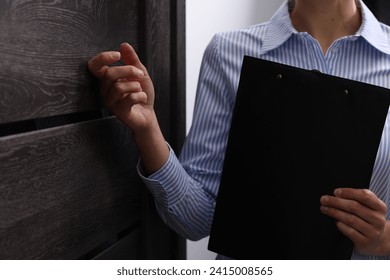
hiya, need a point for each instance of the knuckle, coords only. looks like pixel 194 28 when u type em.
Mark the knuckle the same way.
pixel 367 195
pixel 117 87
pixel 105 56
pixel 137 86
pixel 382 222
pixel 354 206
pixel 383 207
pixel 134 86
pixel 350 220
pixel 109 74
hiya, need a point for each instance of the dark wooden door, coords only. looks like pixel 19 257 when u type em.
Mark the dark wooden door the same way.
pixel 68 184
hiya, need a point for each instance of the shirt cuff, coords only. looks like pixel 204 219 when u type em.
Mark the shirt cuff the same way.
pixel 167 185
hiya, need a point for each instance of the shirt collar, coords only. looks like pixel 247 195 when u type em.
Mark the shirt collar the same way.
pixel 280 29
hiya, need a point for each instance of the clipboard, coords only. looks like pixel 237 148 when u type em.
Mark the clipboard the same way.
pixel 295 135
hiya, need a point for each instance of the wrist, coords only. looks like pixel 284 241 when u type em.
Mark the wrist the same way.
pixel 153 149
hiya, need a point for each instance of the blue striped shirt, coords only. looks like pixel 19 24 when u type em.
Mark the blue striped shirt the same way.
pixel 185 188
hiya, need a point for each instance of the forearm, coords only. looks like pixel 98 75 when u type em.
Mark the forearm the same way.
pixel 152 146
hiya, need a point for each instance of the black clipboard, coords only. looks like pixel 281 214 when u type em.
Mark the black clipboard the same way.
pixel 295 135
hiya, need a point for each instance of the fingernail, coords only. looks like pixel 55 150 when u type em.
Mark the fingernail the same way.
pixel 324 199
pixel 324 209
pixel 115 55
pixel 337 192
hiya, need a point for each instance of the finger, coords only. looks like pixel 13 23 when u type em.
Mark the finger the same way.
pixel 128 100
pixel 99 64
pixel 130 57
pixel 358 216
pixel 137 98
pixel 367 245
pixel 123 72
pixel 354 207
pixel 356 236
pixel 363 196
pixel 354 222
pixel 117 74
pixel 129 108
pixel 120 90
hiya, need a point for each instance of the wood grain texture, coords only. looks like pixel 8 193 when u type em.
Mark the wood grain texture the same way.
pixel 44 48
pixel 159 52
pixel 68 185
pixel 65 191
pixel 162 50
pixel 156 53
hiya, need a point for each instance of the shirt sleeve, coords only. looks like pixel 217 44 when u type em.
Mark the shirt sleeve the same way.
pixel 185 188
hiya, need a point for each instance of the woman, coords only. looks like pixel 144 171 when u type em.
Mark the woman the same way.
pixel 337 37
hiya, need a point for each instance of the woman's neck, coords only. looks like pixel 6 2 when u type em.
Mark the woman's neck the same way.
pixel 326 20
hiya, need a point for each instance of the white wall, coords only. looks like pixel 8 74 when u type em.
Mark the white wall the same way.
pixel 203 19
